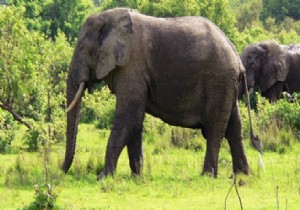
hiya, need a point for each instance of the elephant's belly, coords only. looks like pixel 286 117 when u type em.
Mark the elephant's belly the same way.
pixel 177 117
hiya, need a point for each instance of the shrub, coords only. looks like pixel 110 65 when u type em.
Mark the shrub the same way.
pixel 8 128
pixel 45 198
pixel 277 124
pixel 289 112
pixel 41 131
pixel 99 107
pixel 187 138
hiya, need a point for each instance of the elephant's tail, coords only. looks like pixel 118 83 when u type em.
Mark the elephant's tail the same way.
pixel 255 140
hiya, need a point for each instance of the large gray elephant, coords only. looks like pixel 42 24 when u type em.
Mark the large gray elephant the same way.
pixel 182 70
pixel 272 67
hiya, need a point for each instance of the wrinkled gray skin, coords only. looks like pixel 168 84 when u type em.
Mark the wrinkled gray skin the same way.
pixel 182 70
pixel 272 67
pixel 292 83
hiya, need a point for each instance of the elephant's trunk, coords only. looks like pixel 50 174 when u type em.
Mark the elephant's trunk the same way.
pixel 73 101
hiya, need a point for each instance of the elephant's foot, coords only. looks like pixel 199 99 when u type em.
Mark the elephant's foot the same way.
pixel 101 175
pixel 244 170
pixel 210 171
pixel 104 173
pixel 136 167
pixel 240 165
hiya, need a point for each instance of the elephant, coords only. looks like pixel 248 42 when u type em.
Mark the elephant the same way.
pixel 293 47
pixel 183 70
pixel 272 67
pixel 292 83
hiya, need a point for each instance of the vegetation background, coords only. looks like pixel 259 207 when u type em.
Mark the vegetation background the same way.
pixel 37 39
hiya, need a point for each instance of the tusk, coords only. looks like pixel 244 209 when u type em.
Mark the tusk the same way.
pixel 77 97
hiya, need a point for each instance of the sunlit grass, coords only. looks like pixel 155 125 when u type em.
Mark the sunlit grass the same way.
pixel 171 178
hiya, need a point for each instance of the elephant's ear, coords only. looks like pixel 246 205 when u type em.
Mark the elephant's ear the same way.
pixel 275 67
pixel 114 40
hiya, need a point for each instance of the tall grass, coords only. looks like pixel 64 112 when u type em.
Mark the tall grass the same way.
pixel 171 178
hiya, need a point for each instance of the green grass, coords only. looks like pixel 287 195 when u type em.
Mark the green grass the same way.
pixel 171 178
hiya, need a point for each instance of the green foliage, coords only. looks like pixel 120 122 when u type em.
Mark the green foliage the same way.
pixel 281 9
pixel 8 128
pixel 288 113
pixel 18 57
pixel 52 16
pixel 33 138
pixel 99 107
pixel 155 128
pixel 169 8
pixel 188 139
pixel 276 124
pixel 252 35
pixel 30 66
pixel 41 131
pixel 248 14
pixel 45 198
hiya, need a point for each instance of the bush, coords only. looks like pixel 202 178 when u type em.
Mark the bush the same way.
pixel 187 138
pixel 8 128
pixel 41 131
pixel 99 107
pixel 277 124
pixel 289 112
pixel 45 198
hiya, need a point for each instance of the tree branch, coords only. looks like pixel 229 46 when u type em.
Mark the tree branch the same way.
pixel 14 114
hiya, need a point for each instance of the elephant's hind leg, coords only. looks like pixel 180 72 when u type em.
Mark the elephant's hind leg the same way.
pixel 234 136
pixel 216 120
pixel 212 155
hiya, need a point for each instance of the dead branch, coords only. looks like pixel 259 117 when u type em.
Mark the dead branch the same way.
pixel 14 114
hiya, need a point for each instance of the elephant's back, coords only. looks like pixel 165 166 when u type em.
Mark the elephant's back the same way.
pixel 185 42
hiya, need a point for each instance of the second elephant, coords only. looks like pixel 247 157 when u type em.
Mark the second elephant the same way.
pixel 273 68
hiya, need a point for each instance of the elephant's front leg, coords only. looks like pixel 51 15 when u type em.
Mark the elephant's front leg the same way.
pixel 116 143
pixel 127 130
pixel 135 153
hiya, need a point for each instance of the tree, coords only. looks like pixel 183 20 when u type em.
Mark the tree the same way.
pixel 280 9
pixel 53 16
pixel 32 69
pixel 15 65
pixel 248 14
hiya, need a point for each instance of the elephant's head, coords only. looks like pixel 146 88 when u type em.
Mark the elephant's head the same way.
pixel 103 44
pixel 265 64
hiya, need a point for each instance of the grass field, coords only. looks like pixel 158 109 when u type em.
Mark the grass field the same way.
pixel 171 179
